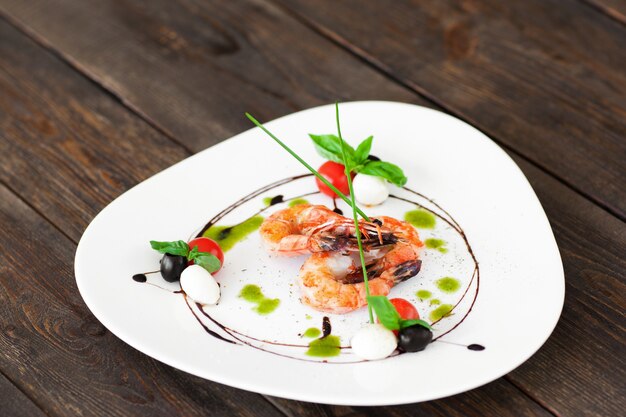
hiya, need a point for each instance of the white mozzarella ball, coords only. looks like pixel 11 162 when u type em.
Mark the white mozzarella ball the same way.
pixel 199 285
pixel 370 190
pixel 373 341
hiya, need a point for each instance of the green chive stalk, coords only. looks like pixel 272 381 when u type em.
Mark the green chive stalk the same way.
pixel 354 214
pixel 310 168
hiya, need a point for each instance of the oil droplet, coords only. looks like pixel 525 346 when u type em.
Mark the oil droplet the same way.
pixel 252 293
pixel 423 294
pixel 229 236
pixel 421 219
pixel 308 316
pixel 438 244
pixel 325 347
pixel 440 312
pixel 297 202
pixel 312 332
pixel 448 284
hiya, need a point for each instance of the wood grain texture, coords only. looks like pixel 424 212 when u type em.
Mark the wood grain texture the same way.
pixel 13 402
pixel 616 9
pixel 74 148
pixel 62 357
pixel 544 77
pixel 496 399
pixel 194 67
pixel 594 272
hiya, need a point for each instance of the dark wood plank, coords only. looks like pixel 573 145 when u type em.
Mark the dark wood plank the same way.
pixel 578 264
pixel 193 67
pixel 496 399
pixel 616 9
pixel 51 346
pixel 544 77
pixel 13 402
pixel 63 358
pixel 581 370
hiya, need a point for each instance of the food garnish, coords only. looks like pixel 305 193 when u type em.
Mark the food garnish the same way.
pixel 373 341
pixel 178 254
pixel 336 174
pixel 307 166
pixel 370 190
pixel 376 340
pixel 333 147
pixel 200 285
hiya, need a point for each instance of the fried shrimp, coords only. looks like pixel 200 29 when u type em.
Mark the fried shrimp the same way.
pixel 307 229
pixel 333 282
pixel 287 231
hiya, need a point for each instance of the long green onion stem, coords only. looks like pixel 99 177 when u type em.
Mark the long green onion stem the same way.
pixel 354 211
pixel 313 171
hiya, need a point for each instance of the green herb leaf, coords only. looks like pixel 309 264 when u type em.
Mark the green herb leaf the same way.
pixel 178 247
pixel 307 166
pixel 208 261
pixel 205 259
pixel 386 170
pixel 408 323
pixel 385 311
pixel 363 150
pixel 329 147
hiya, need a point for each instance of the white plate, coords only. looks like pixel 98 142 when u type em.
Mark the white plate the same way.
pixel 515 303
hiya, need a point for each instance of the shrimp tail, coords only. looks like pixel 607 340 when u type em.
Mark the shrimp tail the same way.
pixel 406 270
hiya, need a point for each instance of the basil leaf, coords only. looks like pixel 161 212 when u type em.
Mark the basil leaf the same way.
pixel 207 260
pixel 363 150
pixel 408 323
pixel 385 311
pixel 178 247
pixel 329 147
pixel 386 170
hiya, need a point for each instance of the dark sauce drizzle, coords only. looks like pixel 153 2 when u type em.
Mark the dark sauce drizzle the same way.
pixel 337 209
pixel 326 326
pixel 140 278
pixel 276 200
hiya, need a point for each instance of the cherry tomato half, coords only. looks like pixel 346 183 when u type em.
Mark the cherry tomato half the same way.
pixel 335 174
pixel 204 244
pixel 405 309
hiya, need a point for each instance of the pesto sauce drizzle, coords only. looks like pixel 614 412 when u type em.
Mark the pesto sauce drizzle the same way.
pixel 253 294
pixel 297 202
pixel 228 236
pixel 325 347
pixel 437 244
pixel 421 219
pixel 312 332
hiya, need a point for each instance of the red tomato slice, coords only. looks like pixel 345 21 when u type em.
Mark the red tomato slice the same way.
pixel 405 309
pixel 335 174
pixel 204 244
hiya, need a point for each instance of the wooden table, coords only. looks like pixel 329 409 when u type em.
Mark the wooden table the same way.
pixel 96 96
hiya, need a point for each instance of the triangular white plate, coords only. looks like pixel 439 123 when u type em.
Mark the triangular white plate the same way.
pixel 478 194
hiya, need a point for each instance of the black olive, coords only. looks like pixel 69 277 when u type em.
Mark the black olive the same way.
pixel 373 158
pixel 414 338
pixel 172 266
